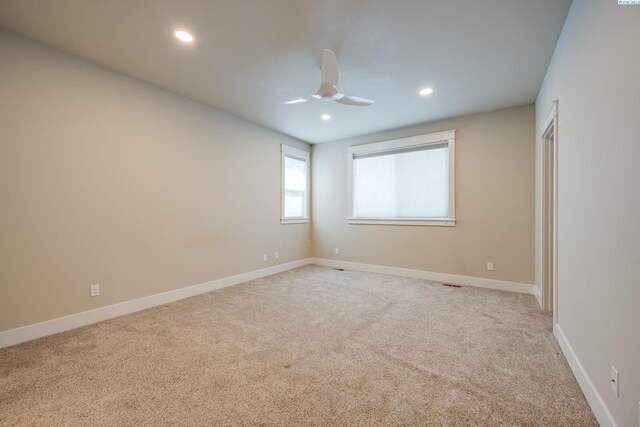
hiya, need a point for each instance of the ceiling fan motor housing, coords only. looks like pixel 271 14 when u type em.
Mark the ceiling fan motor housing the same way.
pixel 327 92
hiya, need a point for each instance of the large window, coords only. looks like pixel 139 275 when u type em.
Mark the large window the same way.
pixel 407 181
pixel 295 185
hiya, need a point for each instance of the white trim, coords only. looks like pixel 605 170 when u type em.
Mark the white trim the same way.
pixel 556 193
pixel 551 115
pixel 61 324
pixel 452 175
pixel 550 124
pixel 295 152
pixel 480 282
pixel 443 222
pixel 294 221
pixel 287 150
pixel 397 144
pixel 538 296
pixel 604 417
pixel 447 137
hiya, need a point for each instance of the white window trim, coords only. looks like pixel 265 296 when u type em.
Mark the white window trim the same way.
pixel 302 155
pixel 396 144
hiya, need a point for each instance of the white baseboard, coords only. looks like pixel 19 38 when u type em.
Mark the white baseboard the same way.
pixel 538 295
pixel 593 398
pixel 61 324
pixel 501 285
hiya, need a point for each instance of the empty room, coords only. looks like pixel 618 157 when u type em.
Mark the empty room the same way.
pixel 319 213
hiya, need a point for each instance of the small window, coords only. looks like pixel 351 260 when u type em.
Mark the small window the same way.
pixel 295 185
pixel 408 181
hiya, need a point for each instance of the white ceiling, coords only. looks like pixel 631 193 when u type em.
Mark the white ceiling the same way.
pixel 251 54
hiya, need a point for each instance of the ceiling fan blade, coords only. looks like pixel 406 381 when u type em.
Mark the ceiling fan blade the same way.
pixel 297 101
pixel 329 71
pixel 355 100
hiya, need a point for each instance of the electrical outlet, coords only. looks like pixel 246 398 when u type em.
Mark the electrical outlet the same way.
pixel 337 251
pixel 615 381
pixel 276 256
pixel 264 257
pixel 490 266
pixel 95 290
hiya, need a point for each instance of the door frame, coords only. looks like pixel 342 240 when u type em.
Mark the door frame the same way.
pixel 549 147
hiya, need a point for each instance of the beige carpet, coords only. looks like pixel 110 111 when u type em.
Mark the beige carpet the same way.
pixel 312 346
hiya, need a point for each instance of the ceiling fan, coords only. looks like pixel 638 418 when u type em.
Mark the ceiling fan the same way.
pixel 328 82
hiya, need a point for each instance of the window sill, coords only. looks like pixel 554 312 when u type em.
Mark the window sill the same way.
pixel 448 222
pixel 294 220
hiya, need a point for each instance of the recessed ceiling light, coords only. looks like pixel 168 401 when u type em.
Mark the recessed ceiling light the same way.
pixel 184 36
pixel 325 117
pixel 426 91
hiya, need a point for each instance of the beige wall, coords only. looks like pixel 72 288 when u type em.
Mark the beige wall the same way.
pixel 494 203
pixel 595 76
pixel 104 179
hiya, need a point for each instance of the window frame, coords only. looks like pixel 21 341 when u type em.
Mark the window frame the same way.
pixel 390 146
pixel 296 153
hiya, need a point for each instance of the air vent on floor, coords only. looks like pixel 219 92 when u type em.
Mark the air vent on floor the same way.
pixel 451 286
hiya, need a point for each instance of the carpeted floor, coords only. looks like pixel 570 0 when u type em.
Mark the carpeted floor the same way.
pixel 311 346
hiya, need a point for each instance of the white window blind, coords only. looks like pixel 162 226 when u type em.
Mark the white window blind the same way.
pixel 406 181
